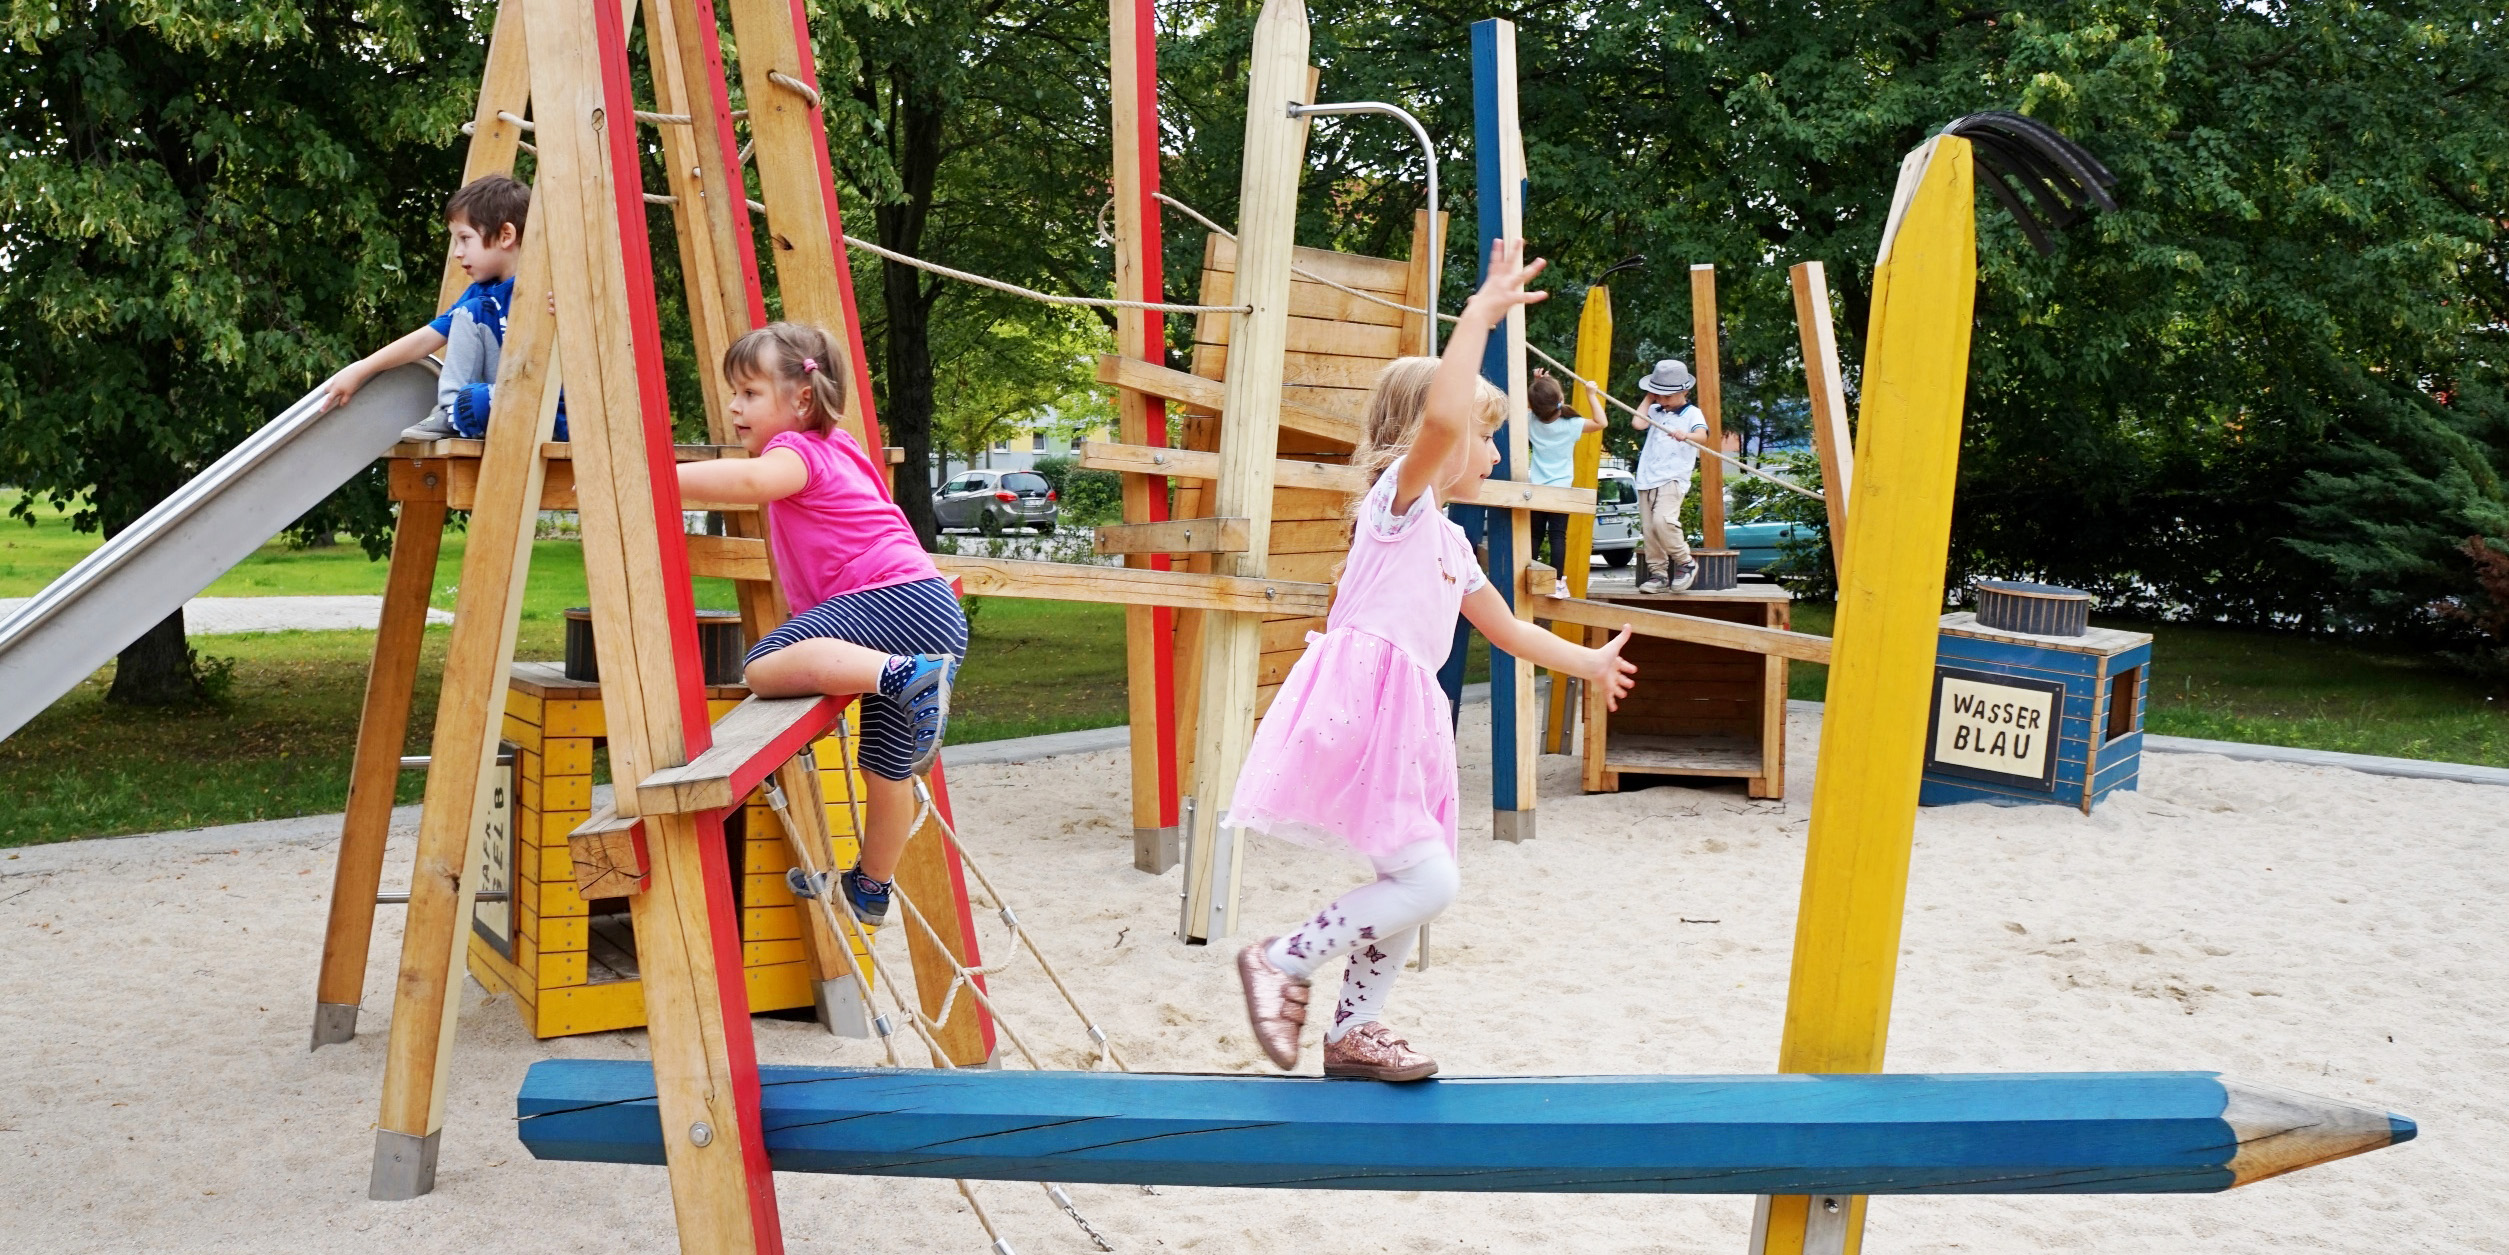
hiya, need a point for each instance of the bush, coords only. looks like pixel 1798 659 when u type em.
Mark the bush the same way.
pixel 1089 498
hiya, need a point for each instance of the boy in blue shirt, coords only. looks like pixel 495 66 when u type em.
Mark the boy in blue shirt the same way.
pixel 1552 436
pixel 486 221
pixel 1676 431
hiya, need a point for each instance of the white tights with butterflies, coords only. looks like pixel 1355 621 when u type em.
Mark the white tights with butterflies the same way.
pixel 1375 924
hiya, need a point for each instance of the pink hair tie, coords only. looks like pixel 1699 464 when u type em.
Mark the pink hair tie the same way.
pixel 810 364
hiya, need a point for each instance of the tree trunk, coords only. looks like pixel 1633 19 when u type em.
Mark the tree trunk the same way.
pixel 908 347
pixel 156 669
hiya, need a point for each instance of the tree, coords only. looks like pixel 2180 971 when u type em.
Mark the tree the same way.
pixel 209 207
pixel 976 131
pixel 993 380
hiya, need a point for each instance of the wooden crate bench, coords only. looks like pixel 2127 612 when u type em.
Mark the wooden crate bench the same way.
pixel 1695 710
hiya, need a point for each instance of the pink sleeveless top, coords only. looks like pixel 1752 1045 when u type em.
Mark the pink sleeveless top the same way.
pixel 840 533
pixel 1358 750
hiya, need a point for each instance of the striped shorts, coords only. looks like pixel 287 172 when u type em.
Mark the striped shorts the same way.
pixel 918 618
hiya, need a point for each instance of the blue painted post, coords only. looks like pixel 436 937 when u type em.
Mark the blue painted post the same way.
pixel 1501 192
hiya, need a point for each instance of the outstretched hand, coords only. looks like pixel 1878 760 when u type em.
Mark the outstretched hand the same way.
pixel 337 390
pixel 1612 672
pixel 1505 289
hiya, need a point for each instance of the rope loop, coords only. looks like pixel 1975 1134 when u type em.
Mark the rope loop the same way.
pixel 790 83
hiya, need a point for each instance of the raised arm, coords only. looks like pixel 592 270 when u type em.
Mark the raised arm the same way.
pixel 1451 411
pixel 409 348
pixel 772 476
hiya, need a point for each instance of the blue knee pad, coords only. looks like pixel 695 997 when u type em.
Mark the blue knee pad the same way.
pixel 470 412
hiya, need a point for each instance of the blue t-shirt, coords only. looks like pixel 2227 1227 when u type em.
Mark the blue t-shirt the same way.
pixel 1554 445
pixel 486 303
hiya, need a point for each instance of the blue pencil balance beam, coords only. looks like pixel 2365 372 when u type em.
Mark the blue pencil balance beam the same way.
pixel 2079 1132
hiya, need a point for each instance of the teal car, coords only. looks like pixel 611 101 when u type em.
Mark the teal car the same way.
pixel 1758 546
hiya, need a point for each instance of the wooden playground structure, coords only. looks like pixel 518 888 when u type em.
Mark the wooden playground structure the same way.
pixel 1218 590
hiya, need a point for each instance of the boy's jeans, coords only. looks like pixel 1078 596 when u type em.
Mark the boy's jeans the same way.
pixel 1659 525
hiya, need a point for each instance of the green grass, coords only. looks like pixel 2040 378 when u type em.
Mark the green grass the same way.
pixel 2268 689
pixel 281 743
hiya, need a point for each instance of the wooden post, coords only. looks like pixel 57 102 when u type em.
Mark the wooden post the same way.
pixel 1594 361
pixel 1149 660
pixel 1499 156
pixel 636 568
pixel 1864 801
pixel 1704 347
pixel 1267 207
pixel 382 729
pixel 1829 404
pixel 504 87
pixel 469 716
pixel 930 873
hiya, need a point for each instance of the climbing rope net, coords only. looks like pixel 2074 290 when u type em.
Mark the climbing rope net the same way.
pixel 817 888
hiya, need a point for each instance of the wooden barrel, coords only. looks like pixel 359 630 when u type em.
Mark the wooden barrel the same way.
pixel 719 643
pixel 1718 569
pixel 2038 609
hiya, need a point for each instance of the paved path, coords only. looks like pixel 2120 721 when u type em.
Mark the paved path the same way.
pixel 229 616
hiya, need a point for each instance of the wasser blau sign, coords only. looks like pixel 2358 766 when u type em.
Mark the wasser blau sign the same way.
pixel 1994 727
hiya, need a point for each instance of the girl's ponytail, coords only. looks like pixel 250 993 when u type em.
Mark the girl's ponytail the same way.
pixel 801 354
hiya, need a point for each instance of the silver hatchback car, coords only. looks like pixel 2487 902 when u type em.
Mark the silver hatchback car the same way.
pixel 1615 516
pixel 996 501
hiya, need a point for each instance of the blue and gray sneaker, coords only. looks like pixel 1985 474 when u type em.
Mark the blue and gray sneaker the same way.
pixel 924 690
pixel 868 898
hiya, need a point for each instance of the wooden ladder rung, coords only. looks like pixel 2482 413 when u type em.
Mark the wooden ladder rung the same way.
pixel 758 736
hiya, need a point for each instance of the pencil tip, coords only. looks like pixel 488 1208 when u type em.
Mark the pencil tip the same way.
pixel 2400 1129
pixel 2280 1130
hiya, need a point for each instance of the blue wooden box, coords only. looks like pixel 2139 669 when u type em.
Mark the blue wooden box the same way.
pixel 2022 719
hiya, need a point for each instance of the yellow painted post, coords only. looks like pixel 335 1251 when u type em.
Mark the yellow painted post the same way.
pixel 1594 361
pixel 1864 800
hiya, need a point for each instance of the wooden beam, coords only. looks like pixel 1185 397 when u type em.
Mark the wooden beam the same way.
pixel 687 920
pixel 1864 797
pixel 1174 536
pixel 1705 347
pixel 1828 391
pixel 750 743
pixel 2021 1133
pixel 608 854
pixel 1800 646
pixel 1184 590
pixel 730 558
pixel 1251 410
pixel 929 875
pixel 1210 394
pixel 1149 655
pixel 375 773
pixel 1099 455
pixel 504 87
pixel 470 715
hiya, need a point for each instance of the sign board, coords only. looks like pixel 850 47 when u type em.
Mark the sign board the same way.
pixel 494 920
pixel 2000 728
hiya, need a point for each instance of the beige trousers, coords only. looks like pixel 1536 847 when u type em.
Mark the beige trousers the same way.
pixel 1659 525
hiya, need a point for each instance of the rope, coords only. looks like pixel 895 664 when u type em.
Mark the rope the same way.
pixel 472 128
pixel 662 119
pixel 847 926
pixel 1580 380
pixel 787 81
pixel 1097 302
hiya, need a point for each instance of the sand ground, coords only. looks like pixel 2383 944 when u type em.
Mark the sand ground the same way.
pixel 2319 929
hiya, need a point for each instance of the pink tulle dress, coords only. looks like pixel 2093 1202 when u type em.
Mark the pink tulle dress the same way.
pixel 1358 750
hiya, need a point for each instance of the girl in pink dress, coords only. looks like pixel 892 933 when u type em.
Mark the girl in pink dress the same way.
pixel 1358 750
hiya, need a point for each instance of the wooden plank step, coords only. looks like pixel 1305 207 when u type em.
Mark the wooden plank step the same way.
pixel 756 737
pixel 1137 459
pixel 1800 646
pixel 1194 390
pixel 1175 536
pixel 2018 1133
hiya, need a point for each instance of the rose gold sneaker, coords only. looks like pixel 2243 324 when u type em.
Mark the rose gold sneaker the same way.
pixel 1373 1051
pixel 1276 1004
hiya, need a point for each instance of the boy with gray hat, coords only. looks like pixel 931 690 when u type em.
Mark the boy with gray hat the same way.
pixel 1676 431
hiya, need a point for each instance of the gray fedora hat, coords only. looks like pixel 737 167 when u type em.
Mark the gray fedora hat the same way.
pixel 1670 376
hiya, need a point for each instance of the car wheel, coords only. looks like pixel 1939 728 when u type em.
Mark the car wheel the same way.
pixel 989 523
pixel 1616 559
pixel 1043 529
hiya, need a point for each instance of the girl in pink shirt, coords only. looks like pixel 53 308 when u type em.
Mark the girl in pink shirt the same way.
pixel 880 622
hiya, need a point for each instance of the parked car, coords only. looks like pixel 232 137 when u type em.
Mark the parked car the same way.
pixel 1758 546
pixel 993 502
pixel 1615 516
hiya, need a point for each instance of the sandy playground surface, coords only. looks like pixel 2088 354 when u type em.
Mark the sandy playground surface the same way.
pixel 2319 929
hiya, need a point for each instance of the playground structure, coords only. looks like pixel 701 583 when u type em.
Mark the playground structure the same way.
pixel 698 1107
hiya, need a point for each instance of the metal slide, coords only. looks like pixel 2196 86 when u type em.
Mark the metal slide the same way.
pixel 81 620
